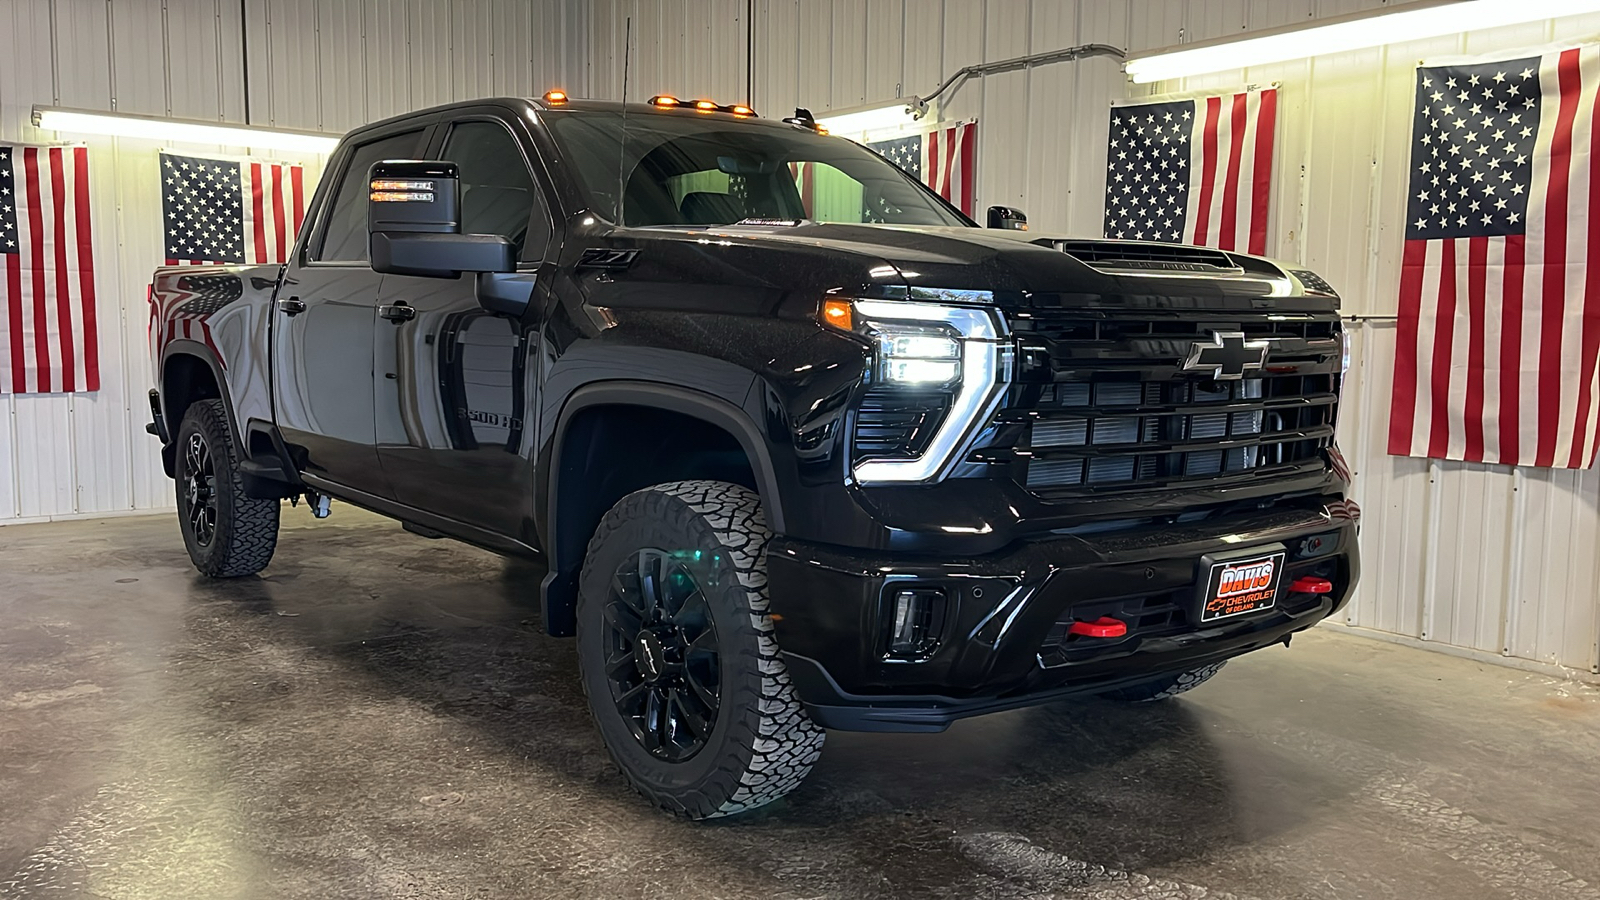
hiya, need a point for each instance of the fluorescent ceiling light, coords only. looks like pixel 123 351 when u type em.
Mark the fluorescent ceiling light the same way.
pixel 179 131
pixel 865 120
pixel 1409 22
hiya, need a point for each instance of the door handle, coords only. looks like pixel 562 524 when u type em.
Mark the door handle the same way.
pixel 291 306
pixel 397 312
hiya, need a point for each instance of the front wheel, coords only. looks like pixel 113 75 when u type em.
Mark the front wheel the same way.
pixel 1169 685
pixel 228 533
pixel 677 656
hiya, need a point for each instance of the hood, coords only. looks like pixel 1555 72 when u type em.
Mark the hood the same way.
pixel 1021 269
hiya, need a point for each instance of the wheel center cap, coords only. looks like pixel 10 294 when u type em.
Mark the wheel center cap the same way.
pixel 651 655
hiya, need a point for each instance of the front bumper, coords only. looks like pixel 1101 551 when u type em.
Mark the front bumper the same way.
pixel 1002 637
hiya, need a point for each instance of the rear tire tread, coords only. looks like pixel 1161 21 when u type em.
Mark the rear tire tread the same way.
pixel 247 528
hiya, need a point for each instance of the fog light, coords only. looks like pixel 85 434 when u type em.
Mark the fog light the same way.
pixel 915 616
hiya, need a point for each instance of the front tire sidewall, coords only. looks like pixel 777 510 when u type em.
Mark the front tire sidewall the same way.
pixel 715 781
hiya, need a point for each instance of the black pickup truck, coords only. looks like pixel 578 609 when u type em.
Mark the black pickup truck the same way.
pixel 801 445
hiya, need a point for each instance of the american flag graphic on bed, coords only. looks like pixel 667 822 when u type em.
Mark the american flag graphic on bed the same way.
pixel 1195 171
pixel 48 339
pixel 230 210
pixel 1497 355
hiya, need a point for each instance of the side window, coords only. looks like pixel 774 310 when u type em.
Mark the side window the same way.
pixel 345 238
pixel 498 195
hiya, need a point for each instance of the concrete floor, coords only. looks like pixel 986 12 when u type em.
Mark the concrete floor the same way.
pixel 378 716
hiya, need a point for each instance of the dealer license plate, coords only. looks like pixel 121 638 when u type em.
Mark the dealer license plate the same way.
pixel 1239 583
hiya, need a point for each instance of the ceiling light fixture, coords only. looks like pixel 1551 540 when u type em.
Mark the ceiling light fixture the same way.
pixel 1407 22
pixel 180 131
pixel 862 121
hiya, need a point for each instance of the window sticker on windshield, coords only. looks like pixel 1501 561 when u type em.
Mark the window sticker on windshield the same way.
pixel 774 223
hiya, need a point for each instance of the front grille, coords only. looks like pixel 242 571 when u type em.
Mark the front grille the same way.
pixel 1103 404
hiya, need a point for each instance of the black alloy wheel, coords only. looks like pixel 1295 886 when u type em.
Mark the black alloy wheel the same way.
pixel 662 661
pixel 679 657
pixel 200 489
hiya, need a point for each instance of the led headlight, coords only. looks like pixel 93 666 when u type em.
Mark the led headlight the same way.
pixel 919 357
pixel 961 353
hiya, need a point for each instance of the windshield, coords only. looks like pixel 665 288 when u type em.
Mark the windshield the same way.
pixel 710 170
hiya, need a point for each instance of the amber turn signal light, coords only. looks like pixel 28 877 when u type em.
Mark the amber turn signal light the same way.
pixel 838 313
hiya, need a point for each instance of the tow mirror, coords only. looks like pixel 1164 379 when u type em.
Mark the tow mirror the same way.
pixel 1008 217
pixel 414 224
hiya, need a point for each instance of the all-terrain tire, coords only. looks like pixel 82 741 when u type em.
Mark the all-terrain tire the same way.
pixel 245 533
pixel 1169 685
pixel 762 743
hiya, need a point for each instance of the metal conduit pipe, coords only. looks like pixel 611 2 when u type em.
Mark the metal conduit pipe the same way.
pixel 919 104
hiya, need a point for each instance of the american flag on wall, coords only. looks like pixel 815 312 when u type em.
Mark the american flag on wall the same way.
pixel 230 210
pixel 1499 325
pixel 943 159
pixel 48 340
pixel 1196 171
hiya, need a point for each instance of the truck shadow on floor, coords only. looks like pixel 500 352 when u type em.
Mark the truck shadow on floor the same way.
pixel 454 636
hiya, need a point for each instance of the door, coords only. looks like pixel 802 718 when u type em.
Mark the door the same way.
pixel 322 336
pixel 456 383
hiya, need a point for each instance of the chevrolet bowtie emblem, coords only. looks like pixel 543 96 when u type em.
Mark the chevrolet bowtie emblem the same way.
pixel 1227 356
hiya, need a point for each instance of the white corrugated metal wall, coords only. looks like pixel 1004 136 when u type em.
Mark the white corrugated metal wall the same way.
pixel 323 65
pixel 1487 559
pixel 1478 557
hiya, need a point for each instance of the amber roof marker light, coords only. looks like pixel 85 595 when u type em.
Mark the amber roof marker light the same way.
pixel 555 96
pixel 667 101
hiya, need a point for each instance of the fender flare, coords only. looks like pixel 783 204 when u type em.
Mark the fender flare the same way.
pixel 558 591
pixel 187 347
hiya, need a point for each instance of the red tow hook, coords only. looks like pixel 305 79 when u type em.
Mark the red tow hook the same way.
pixel 1103 627
pixel 1311 585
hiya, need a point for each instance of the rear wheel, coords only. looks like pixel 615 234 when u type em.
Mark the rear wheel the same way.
pixel 677 655
pixel 228 534
pixel 1169 685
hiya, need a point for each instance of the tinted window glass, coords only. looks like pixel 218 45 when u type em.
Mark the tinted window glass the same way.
pixel 498 195
pixel 682 169
pixel 345 238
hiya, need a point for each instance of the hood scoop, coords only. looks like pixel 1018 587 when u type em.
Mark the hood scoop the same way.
pixel 1141 258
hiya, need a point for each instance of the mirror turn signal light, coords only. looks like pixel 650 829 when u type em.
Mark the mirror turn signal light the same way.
pixel 388 190
pixel 1103 627
pixel 555 96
